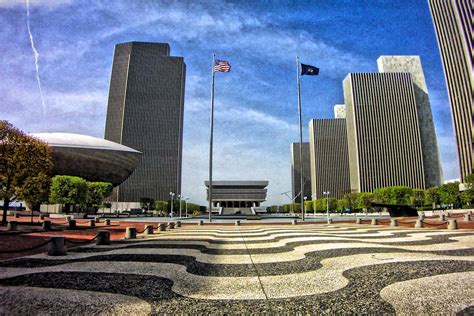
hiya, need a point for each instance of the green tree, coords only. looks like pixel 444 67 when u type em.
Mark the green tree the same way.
pixel 364 201
pixel 449 193
pixel 97 192
pixel 332 204
pixel 25 167
pixel 417 197
pixel 308 206
pixel 318 205
pixel 469 181
pixel 68 190
pixel 161 205
pixel 341 205
pixel 432 197
pixel 393 195
pixel 350 200
pixel 467 196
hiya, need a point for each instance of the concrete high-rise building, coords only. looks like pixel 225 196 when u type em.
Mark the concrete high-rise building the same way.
pixel 383 131
pixel 340 111
pixel 145 112
pixel 329 158
pixel 429 143
pixel 453 24
pixel 296 173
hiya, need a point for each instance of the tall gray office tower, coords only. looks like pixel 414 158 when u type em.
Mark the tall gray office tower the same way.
pixel 329 158
pixel 383 131
pixel 296 171
pixel 453 24
pixel 429 143
pixel 145 112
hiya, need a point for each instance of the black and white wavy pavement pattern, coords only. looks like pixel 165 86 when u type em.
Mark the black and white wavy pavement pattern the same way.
pixel 243 270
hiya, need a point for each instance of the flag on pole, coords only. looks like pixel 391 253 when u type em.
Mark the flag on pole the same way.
pixel 309 70
pixel 221 65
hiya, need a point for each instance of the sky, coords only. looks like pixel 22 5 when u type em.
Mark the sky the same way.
pixel 55 67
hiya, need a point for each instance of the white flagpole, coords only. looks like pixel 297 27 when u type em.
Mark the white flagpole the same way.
pixel 211 139
pixel 298 75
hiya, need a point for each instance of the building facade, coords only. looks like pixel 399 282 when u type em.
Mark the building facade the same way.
pixel 329 162
pixel 429 142
pixel 145 112
pixel 296 171
pixel 383 132
pixel 452 20
pixel 340 111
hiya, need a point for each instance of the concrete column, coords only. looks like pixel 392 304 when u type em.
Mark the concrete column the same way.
pixel 46 225
pixel 12 226
pixel 170 225
pixel 72 224
pixel 148 230
pixel 330 221
pixel 393 222
pixel 57 246
pixel 294 222
pixel 442 217
pixel 178 224
pixel 161 227
pixel 103 238
pixel 452 224
pixel 358 221
pixel 131 233
pixel 91 223
pixel 107 222
pixel 419 223
pixel 237 223
pixel 467 217
pixel 374 221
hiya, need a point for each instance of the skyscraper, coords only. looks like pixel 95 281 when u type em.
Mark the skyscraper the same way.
pixel 453 24
pixel 340 111
pixel 429 143
pixel 296 173
pixel 329 158
pixel 145 112
pixel 383 131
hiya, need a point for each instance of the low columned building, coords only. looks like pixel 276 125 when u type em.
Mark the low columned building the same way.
pixel 237 197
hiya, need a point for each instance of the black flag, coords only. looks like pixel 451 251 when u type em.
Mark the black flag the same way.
pixel 309 70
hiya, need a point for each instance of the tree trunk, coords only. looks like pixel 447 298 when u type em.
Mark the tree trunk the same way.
pixel 6 203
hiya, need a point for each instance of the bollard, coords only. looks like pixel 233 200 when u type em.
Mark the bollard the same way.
pixel 161 227
pixel 294 222
pixel 107 222
pixel 178 224
pixel 91 223
pixel 72 224
pixel 148 230
pixel 103 238
pixel 97 219
pixel 442 217
pixel 421 216
pixel 68 218
pixel 131 233
pixel 201 222
pixel 12 226
pixel 17 215
pixel 374 221
pixel 237 223
pixel 419 223
pixel 467 217
pixel 452 224
pixel 358 221
pixel 393 222
pixel 46 225
pixel 329 220
pixel 41 217
pixel 56 246
pixel 170 225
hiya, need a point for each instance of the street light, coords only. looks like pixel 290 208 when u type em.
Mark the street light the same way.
pixel 180 197
pixel 172 202
pixel 326 194
pixel 304 198
pixel 186 204
pixel 313 197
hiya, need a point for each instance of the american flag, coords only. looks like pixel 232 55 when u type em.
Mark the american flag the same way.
pixel 221 65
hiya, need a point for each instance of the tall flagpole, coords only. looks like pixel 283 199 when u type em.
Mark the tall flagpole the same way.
pixel 211 138
pixel 298 75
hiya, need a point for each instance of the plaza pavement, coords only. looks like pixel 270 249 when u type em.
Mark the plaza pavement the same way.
pixel 317 269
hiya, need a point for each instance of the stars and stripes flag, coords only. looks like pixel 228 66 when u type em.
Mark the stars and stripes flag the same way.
pixel 221 65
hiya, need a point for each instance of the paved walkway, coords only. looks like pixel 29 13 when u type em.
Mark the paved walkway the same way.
pixel 322 269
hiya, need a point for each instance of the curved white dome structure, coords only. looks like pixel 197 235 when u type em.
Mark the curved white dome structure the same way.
pixel 91 158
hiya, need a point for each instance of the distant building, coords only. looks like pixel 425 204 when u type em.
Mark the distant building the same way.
pixel 145 112
pixel 296 171
pixel 453 24
pixel 429 142
pixel 329 158
pixel 237 197
pixel 340 111
pixel 383 131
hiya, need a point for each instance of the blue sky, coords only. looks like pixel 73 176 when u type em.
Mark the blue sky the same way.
pixel 256 104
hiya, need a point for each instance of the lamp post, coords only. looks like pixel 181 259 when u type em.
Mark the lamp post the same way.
pixel 326 194
pixel 314 208
pixel 304 201
pixel 179 198
pixel 172 203
pixel 186 205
